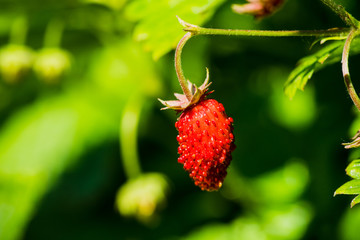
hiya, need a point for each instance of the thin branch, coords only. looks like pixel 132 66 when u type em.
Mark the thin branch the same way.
pixel 338 32
pixel 345 68
pixel 342 13
pixel 18 31
pixel 196 30
pixel 178 68
pixel 128 133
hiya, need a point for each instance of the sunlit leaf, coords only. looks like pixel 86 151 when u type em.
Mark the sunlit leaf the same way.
pixel 353 170
pixel 38 144
pixel 355 201
pixel 158 28
pixel 351 187
pixel 308 65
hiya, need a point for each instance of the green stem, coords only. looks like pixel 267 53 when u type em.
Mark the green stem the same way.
pixel 193 30
pixel 18 31
pixel 53 34
pixel 345 68
pixel 128 136
pixel 178 68
pixel 338 32
pixel 196 30
pixel 342 13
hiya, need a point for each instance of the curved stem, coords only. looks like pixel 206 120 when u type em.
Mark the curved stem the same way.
pixel 53 33
pixel 19 31
pixel 345 68
pixel 128 136
pixel 178 68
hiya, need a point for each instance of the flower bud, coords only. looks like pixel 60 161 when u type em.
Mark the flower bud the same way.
pixel 51 64
pixel 142 196
pixel 15 62
pixel 258 8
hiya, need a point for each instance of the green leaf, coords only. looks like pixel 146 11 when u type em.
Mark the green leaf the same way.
pixel 355 201
pixel 157 26
pixel 353 170
pixel 327 55
pixel 38 144
pixel 351 187
pixel 306 67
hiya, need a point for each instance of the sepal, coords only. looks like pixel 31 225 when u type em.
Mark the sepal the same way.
pixel 355 143
pixel 182 101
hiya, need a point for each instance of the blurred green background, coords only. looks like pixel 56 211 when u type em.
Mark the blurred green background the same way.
pixel 85 152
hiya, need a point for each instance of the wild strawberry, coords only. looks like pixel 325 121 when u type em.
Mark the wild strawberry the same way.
pixel 205 137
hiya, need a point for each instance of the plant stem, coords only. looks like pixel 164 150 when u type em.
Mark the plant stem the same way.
pixel 338 32
pixel 345 68
pixel 128 136
pixel 342 13
pixel 18 31
pixel 53 33
pixel 178 68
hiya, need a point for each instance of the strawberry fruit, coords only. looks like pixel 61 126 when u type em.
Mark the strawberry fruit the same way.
pixel 205 137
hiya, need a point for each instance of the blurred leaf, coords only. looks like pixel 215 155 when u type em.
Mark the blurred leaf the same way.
pixel 353 170
pixel 349 224
pixel 295 114
pixel 114 4
pixel 211 232
pixel 283 185
pixel 285 222
pixel 37 144
pixel 158 28
pixel 124 69
pixel 350 187
pixel 308 65
pixel 41 141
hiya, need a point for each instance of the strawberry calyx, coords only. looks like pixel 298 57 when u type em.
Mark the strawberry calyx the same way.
pixel 183 101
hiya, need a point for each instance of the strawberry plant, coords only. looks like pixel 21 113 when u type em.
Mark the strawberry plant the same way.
pixel 206 142
pixel 85 151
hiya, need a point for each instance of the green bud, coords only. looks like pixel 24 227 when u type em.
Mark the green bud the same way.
pixel 142 196
pixel 51 64
pixel 15 62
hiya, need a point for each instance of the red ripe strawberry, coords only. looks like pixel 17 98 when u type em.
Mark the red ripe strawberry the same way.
pixel 205 137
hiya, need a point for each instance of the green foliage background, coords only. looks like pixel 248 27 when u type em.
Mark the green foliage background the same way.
pixel 64 139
